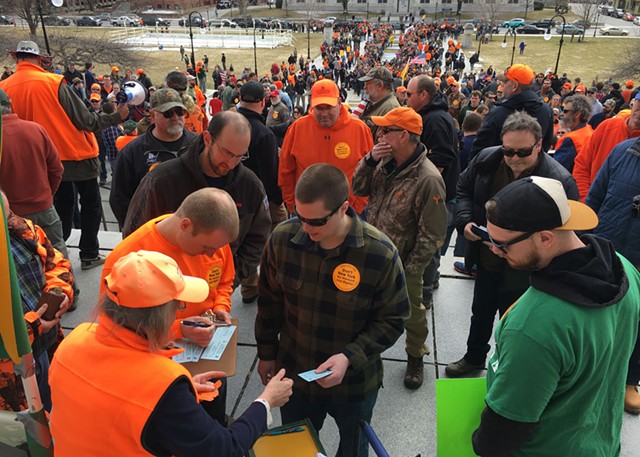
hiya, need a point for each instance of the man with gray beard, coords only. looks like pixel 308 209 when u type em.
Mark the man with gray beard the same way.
pixel 165 139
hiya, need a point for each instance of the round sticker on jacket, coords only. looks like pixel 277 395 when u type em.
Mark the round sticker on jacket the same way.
pixel 342 150
pixel 346 277
pixel 213 276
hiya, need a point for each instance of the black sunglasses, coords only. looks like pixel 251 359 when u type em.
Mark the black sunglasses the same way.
pixel 386 130
pixel 177 110
pixel 503 246
pixel 519 152
pixel 317 222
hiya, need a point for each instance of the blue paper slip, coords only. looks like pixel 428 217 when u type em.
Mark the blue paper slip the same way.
pixel 311 375
pixel 218 343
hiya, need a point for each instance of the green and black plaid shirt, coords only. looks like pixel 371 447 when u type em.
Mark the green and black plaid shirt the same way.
pixel 304 317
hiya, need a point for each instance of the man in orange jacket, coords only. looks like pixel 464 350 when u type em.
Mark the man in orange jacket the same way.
pixel 45 98
pixel 328 134
pixel 608 134
pixel 576 114
pixel 197 237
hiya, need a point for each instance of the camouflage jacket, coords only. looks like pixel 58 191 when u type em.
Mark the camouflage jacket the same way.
pixel 407 203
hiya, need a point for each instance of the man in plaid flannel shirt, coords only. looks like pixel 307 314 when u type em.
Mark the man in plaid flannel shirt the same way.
pixel 331 296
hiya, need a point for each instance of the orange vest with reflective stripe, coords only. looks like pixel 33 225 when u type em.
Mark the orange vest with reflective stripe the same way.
pixel 34 95
pixel 105 384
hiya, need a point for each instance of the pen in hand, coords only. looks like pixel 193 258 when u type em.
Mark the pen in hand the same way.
pixel 195 324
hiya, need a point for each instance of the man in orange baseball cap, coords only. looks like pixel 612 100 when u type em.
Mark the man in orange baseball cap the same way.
pixel 518 95
pixel 416 223
pixel 123 364
pixel 330 135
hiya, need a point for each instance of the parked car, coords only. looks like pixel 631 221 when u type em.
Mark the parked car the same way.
pixel 151 21
pixel 6 20
pixel 570 29
pixel 514 23
pixel 124 21
pixel 88 21
pixel 56 20
pixel 628 16
pixel 330 19
pixel 636 20
pixel 223 4
pixel 195 22
pixel 611 30
pixel 531 30
pixel 545 23
pixel 605 9
pixel 582 24
pixel 105 17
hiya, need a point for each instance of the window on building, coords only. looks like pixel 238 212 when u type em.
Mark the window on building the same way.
pixel 382 1
pixel 424 1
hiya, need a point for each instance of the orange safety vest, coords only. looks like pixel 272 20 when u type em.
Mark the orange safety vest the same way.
pixel 193 121
pixel 105 384
pixel 34 95
pixel 580 137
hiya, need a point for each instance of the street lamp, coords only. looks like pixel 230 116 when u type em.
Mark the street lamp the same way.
pixel 255 55
pixel 547 37
pixel 57 4
pixel 367 10
pixel 309 39
pixel 510 31
pixel 193 55
pixel 595 26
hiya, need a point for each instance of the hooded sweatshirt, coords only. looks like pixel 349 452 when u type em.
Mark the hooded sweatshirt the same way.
pixel 555 382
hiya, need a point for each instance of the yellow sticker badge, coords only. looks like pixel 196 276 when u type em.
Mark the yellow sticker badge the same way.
pixel 346 277
pixel 342 150
pixel 213 276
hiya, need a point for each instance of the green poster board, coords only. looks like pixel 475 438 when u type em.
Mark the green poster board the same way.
pixel 459 403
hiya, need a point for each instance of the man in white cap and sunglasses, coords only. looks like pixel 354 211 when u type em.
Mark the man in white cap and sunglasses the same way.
pixel 497 284
pixel 554 382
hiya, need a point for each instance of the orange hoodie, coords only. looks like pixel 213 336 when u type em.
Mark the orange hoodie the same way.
pixel 307 143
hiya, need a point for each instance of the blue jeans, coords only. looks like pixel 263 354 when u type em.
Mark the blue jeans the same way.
pixel 346 415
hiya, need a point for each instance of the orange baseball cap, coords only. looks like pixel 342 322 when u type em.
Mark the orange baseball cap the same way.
pixel 401 89
pixel 139 71
pixel 278 84
pixel 403 117
pixel 324 92
pixel 96 86
pixel 146 279
pixel 566 86
pixel 95 98
pixel 581 88
pixel 519 73
pixel 629 84
pixel 114 68
pixel 451 80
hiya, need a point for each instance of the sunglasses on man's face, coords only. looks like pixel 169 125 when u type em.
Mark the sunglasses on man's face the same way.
pixel 526 152
pixel 177 110
pixel 317 222
pixel 502 247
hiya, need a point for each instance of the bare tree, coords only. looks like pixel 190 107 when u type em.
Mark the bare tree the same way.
pixel 629 67
pixel 587 10
pixel 491 10
pixel 27 10
pixel 242 7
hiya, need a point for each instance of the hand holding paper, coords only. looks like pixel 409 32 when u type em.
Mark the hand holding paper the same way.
pixel 337 363
pixel 198 335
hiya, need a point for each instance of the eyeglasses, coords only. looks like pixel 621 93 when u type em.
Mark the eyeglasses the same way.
pixel 519 152
pixel 503 246
pixel 177 110
pixel 232 156
pixel 409 94
pixel 386 130
pixel 565 110
pixel 317 222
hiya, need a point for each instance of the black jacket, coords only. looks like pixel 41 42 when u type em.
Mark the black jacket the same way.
pixel 440 138
pixel 164 188
pixel 528 101
pixel 474 187
pixel 134 161
pixel 263 155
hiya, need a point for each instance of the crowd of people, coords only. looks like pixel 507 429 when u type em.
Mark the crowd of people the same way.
pixel 332 219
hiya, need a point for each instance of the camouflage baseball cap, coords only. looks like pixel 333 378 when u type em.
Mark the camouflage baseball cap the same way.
pixel 164 99
pixel 379 72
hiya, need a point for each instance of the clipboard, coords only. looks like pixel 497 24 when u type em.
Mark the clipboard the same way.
pixel 227 362
pixel 299 443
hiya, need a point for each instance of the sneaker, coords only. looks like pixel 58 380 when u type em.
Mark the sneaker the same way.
pixel 428 305
pixel 461 368
pixel 88 264
pixel 462 269
pixel 414 376
pixel 632 400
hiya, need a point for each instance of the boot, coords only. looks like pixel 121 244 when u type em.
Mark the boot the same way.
pixel 631 400
pixel 414 376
